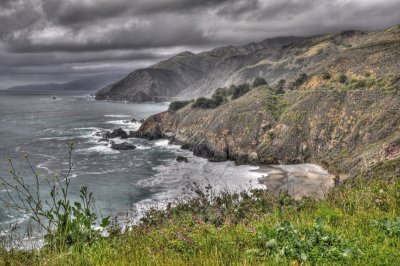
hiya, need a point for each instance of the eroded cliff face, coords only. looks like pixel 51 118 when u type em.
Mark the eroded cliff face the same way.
pixel 342 113
pixel 342 130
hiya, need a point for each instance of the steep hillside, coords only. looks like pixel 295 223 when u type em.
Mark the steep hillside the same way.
pixel 189 75
pixel 344 112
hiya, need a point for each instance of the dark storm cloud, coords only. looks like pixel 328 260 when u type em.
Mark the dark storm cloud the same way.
pixel 57 38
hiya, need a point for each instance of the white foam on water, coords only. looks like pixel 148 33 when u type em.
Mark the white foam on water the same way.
pixel 102 149
pixel 125 124
pixel 43 166
pixel 164 143
pixel 173 178
pixel 57 138
pixel 140 147
pixel 119 170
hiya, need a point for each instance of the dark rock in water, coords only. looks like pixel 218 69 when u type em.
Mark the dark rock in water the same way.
pixel 116 133
pixel 133 120
pixel 186 146
pixel 141 121
pixel 182 159
pixel 132 134
pixel 124 146
pixel 102 140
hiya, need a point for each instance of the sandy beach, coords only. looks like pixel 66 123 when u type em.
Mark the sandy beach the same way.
pixel 299 180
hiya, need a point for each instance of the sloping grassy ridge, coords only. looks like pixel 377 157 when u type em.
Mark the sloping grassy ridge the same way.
pixel 357 224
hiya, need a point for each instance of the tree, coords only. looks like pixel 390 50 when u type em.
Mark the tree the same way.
pixel 280 87
pixel 342 78
pixel 240 90
pixel 259 82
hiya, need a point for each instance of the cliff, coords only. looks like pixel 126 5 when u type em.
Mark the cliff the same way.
pixel 344 113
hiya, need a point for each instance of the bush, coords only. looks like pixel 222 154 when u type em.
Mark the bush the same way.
pixel 176 105
pixel 326 75
pixel 219 95
pixel 259 82
pixel 206 103
pixel 280 87
pixel 311 244
pixel 360 84
pixel 342 78
pixel 232 89
pixel 300 80
pixel 240 90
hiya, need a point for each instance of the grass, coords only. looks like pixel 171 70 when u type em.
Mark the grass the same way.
pixel 358 223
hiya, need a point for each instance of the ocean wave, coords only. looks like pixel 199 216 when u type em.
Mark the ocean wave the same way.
pixel 98 149
pixel 125 124
pixel 164 143
pixel 43 166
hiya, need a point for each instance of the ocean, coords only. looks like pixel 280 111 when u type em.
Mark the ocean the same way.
pixel 125 183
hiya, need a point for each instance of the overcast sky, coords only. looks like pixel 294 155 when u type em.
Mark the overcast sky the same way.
pixel 58 40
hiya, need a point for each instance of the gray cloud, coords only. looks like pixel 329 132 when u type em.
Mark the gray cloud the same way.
pixel 56 39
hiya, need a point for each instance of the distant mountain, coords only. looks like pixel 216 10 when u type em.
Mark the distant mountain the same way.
pixel 92 83
pixel 190 75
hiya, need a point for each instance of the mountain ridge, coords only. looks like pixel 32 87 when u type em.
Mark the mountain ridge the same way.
pixel 338 107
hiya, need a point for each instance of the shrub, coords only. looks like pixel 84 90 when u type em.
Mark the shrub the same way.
pixel 219 95
pixel 205 103
pixel 221 91
pixel 259 82
pixel 326 75
pixel 360 84
pixel 300 80
pixel 176 105
pixel 232 89
pixel 342 78
pixel 240 90
pixel 310 244
pixel 389 227
pixel 280 87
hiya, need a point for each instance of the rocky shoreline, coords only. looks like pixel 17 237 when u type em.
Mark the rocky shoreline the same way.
pixel 329 128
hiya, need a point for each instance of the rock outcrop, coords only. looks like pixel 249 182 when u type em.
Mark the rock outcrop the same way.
pixel 182 159
pixel 339 106
pixel 124 146
pixel 342 130
pixel 116 133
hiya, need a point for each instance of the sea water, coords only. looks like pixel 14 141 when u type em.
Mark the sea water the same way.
pixel 125 183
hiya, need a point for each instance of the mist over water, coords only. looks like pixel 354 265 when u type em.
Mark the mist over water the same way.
pixel 124 183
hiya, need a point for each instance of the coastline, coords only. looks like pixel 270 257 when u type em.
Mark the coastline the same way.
pixel 299 180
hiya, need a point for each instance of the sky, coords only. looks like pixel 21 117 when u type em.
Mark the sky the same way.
pixel 44 41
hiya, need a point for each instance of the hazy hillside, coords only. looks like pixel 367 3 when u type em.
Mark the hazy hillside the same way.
pixel 92 83
pixel 188 75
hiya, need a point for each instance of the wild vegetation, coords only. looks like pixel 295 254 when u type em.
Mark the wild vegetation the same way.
pixel 176 105
pixel 356 224
pixel 223 95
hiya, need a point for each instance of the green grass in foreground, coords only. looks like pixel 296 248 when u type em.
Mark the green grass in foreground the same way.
pixel 357 224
